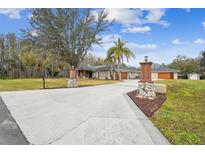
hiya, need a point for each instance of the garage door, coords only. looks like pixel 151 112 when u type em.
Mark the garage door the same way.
pixel 123 75
pixel 165 75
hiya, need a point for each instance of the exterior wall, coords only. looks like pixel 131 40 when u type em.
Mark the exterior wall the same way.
pixel 154 76
pixel 123 75
pixel 85 74
pixel 103 75
pixel 115 75
pixel 175 75
pixel 108 75
pixel 132 75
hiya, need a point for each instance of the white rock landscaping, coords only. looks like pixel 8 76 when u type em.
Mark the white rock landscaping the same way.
pixel 146 90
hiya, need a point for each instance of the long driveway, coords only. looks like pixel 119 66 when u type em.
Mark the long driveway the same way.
pixel 89 115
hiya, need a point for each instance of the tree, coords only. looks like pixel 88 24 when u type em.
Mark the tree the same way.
pixel 185 65
pixel 118 53
pixel 157 65
pixel 202 63
pixel 2 52
pixel 28 59
pixel 9 51
pixel 91 59
pixel 71 32
pixel 43 63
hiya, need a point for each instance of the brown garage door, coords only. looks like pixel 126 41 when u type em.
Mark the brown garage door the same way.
pixel 165 75
pixel 123 75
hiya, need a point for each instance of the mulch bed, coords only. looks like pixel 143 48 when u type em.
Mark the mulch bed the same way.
pixel 146 105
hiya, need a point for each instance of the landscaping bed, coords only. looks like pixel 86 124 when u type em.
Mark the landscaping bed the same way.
pixel 146 105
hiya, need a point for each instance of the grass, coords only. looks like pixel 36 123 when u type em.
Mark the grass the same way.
pixel 34 84
pixel 182 117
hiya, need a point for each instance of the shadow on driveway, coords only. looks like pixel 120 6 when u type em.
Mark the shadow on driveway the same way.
pixel 10 133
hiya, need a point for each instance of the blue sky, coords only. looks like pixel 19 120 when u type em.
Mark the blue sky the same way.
pixel 161 34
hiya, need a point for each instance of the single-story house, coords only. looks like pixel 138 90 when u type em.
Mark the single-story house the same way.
pixel 193 76
pixel 107 72
pixel 163 72
pixel 126 72
pixel 111 72
pixel 86 71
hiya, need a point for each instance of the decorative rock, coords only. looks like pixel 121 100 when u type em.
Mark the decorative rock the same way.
pixel 160 88
pixel 72 83
pixel 146 90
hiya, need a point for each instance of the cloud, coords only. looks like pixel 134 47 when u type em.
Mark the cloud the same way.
pixel 124 16
pixel 177 42
pixel 110 38
pixel 136 29
pixel 136 20
pixel 137 16
pixel 11 13
pixel 199 41
pixel 203 24
pixel 136 46
pixel 108 42
pixel 154 17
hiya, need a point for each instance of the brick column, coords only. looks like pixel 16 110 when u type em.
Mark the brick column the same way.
pixel 73 73
pixel 72 82
pixel 146 71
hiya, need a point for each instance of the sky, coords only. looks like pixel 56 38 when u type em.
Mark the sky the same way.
pixel 160 34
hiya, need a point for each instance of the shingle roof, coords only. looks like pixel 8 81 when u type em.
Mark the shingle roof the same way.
pixel 121 67
pixel 127 68
pixel 163 69
pixel 87 68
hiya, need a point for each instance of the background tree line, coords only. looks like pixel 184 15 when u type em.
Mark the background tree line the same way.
pixel 188 65
pixel 60 38
pixel 56 40
pixel 18 59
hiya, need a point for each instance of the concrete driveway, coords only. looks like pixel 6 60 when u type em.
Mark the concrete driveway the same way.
pixel 89 115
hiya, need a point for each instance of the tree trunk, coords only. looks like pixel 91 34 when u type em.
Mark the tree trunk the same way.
pixel 20 74
pixel 118 70
pixel 43 76
pixel 111 72
pixel 52 74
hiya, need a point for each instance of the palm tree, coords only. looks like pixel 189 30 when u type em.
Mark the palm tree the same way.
pixel 116 54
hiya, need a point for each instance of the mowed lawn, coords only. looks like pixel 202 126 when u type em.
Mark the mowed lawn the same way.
pixel 182 117
pixel 33 84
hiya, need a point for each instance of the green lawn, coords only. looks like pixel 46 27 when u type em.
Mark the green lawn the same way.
pixel 182 117
pixel 32 84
